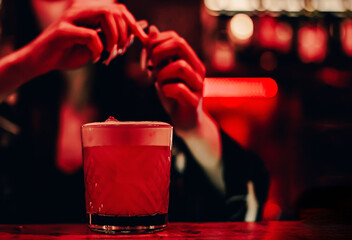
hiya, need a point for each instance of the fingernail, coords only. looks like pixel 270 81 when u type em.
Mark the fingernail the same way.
pixel 131 40
pixel 114 52
pixel 157 86
pixel 119 51
pixel 143 23
pixel 112 55
pixel 150 74
pixel 143 59
pixel 96 60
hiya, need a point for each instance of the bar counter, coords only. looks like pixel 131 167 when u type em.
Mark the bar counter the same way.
pixel 268 230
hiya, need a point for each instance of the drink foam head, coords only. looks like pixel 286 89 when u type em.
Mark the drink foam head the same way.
pixel 116 133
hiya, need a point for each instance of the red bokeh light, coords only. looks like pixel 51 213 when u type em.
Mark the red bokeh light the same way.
pixel 268 61
pixel 346 36
pixel 240 87
pixel 12 99
pixel 223 57
pixel 241 106
pixel 283 33
pixel 275 35
pixel 236 102
pixel 312 42
pixel 334 77
pixel 69 149
pixel 271 212
pixel 267 32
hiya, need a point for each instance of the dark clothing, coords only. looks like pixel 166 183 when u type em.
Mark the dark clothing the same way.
pixel 194 198
pixel 32 190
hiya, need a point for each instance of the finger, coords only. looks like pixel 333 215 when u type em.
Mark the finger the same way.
pixel 87 37
pixel 115 51
pixel 181 93
pixel 123 32
pixel 177 48
pixel 136 28
pixel 143 59
pixel 110 29
pixel 156 38
pixel 183 72
pixel 167 104
pixel 143 23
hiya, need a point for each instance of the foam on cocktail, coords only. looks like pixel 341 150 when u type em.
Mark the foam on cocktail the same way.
pixel 116 133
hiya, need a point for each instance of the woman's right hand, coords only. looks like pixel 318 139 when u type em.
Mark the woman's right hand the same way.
pixel 73 41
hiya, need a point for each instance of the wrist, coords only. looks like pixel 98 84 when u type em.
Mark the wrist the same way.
pixel 205 133
pixel 34 61
pixel 26 64
pixel 15 69
pixel 204 127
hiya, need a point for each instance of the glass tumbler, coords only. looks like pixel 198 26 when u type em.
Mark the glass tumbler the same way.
pixel 127 175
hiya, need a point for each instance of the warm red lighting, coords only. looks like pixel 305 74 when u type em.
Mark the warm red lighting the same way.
pixel 272 211
pixel 334 77
pixel 283 33
pixel 12 99
pixel 241 106
pixel 267 32
pixel 244 99
pixel 69 150
pixel 241 28
pixel 275 35
pixel 312 42
pixel 223 58
pixel 346 36
pixel 268 61
pixel 238 127
pixel 240 87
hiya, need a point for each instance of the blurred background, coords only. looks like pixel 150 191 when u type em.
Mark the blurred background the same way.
pixel 303 134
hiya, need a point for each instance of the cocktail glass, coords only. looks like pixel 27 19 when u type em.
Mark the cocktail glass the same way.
pixel 127 175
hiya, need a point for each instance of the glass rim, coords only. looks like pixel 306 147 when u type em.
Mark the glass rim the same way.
pixel 138 124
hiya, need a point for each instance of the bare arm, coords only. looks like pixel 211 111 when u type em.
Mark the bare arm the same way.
pixel 69 43
pixel 15 69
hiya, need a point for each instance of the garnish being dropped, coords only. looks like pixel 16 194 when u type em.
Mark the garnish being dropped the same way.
pixel 111 119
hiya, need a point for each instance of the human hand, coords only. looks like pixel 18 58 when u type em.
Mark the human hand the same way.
pixel 179 76
pixel 74 40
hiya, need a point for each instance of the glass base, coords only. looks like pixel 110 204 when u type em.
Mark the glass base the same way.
pixel 127 225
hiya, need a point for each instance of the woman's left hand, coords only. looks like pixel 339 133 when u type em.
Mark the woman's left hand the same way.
pixel 179 76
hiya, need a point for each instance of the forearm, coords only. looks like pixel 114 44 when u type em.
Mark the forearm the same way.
pixel 204 142
pixel 16 69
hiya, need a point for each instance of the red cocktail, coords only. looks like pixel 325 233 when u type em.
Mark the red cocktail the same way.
pixel 127 175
